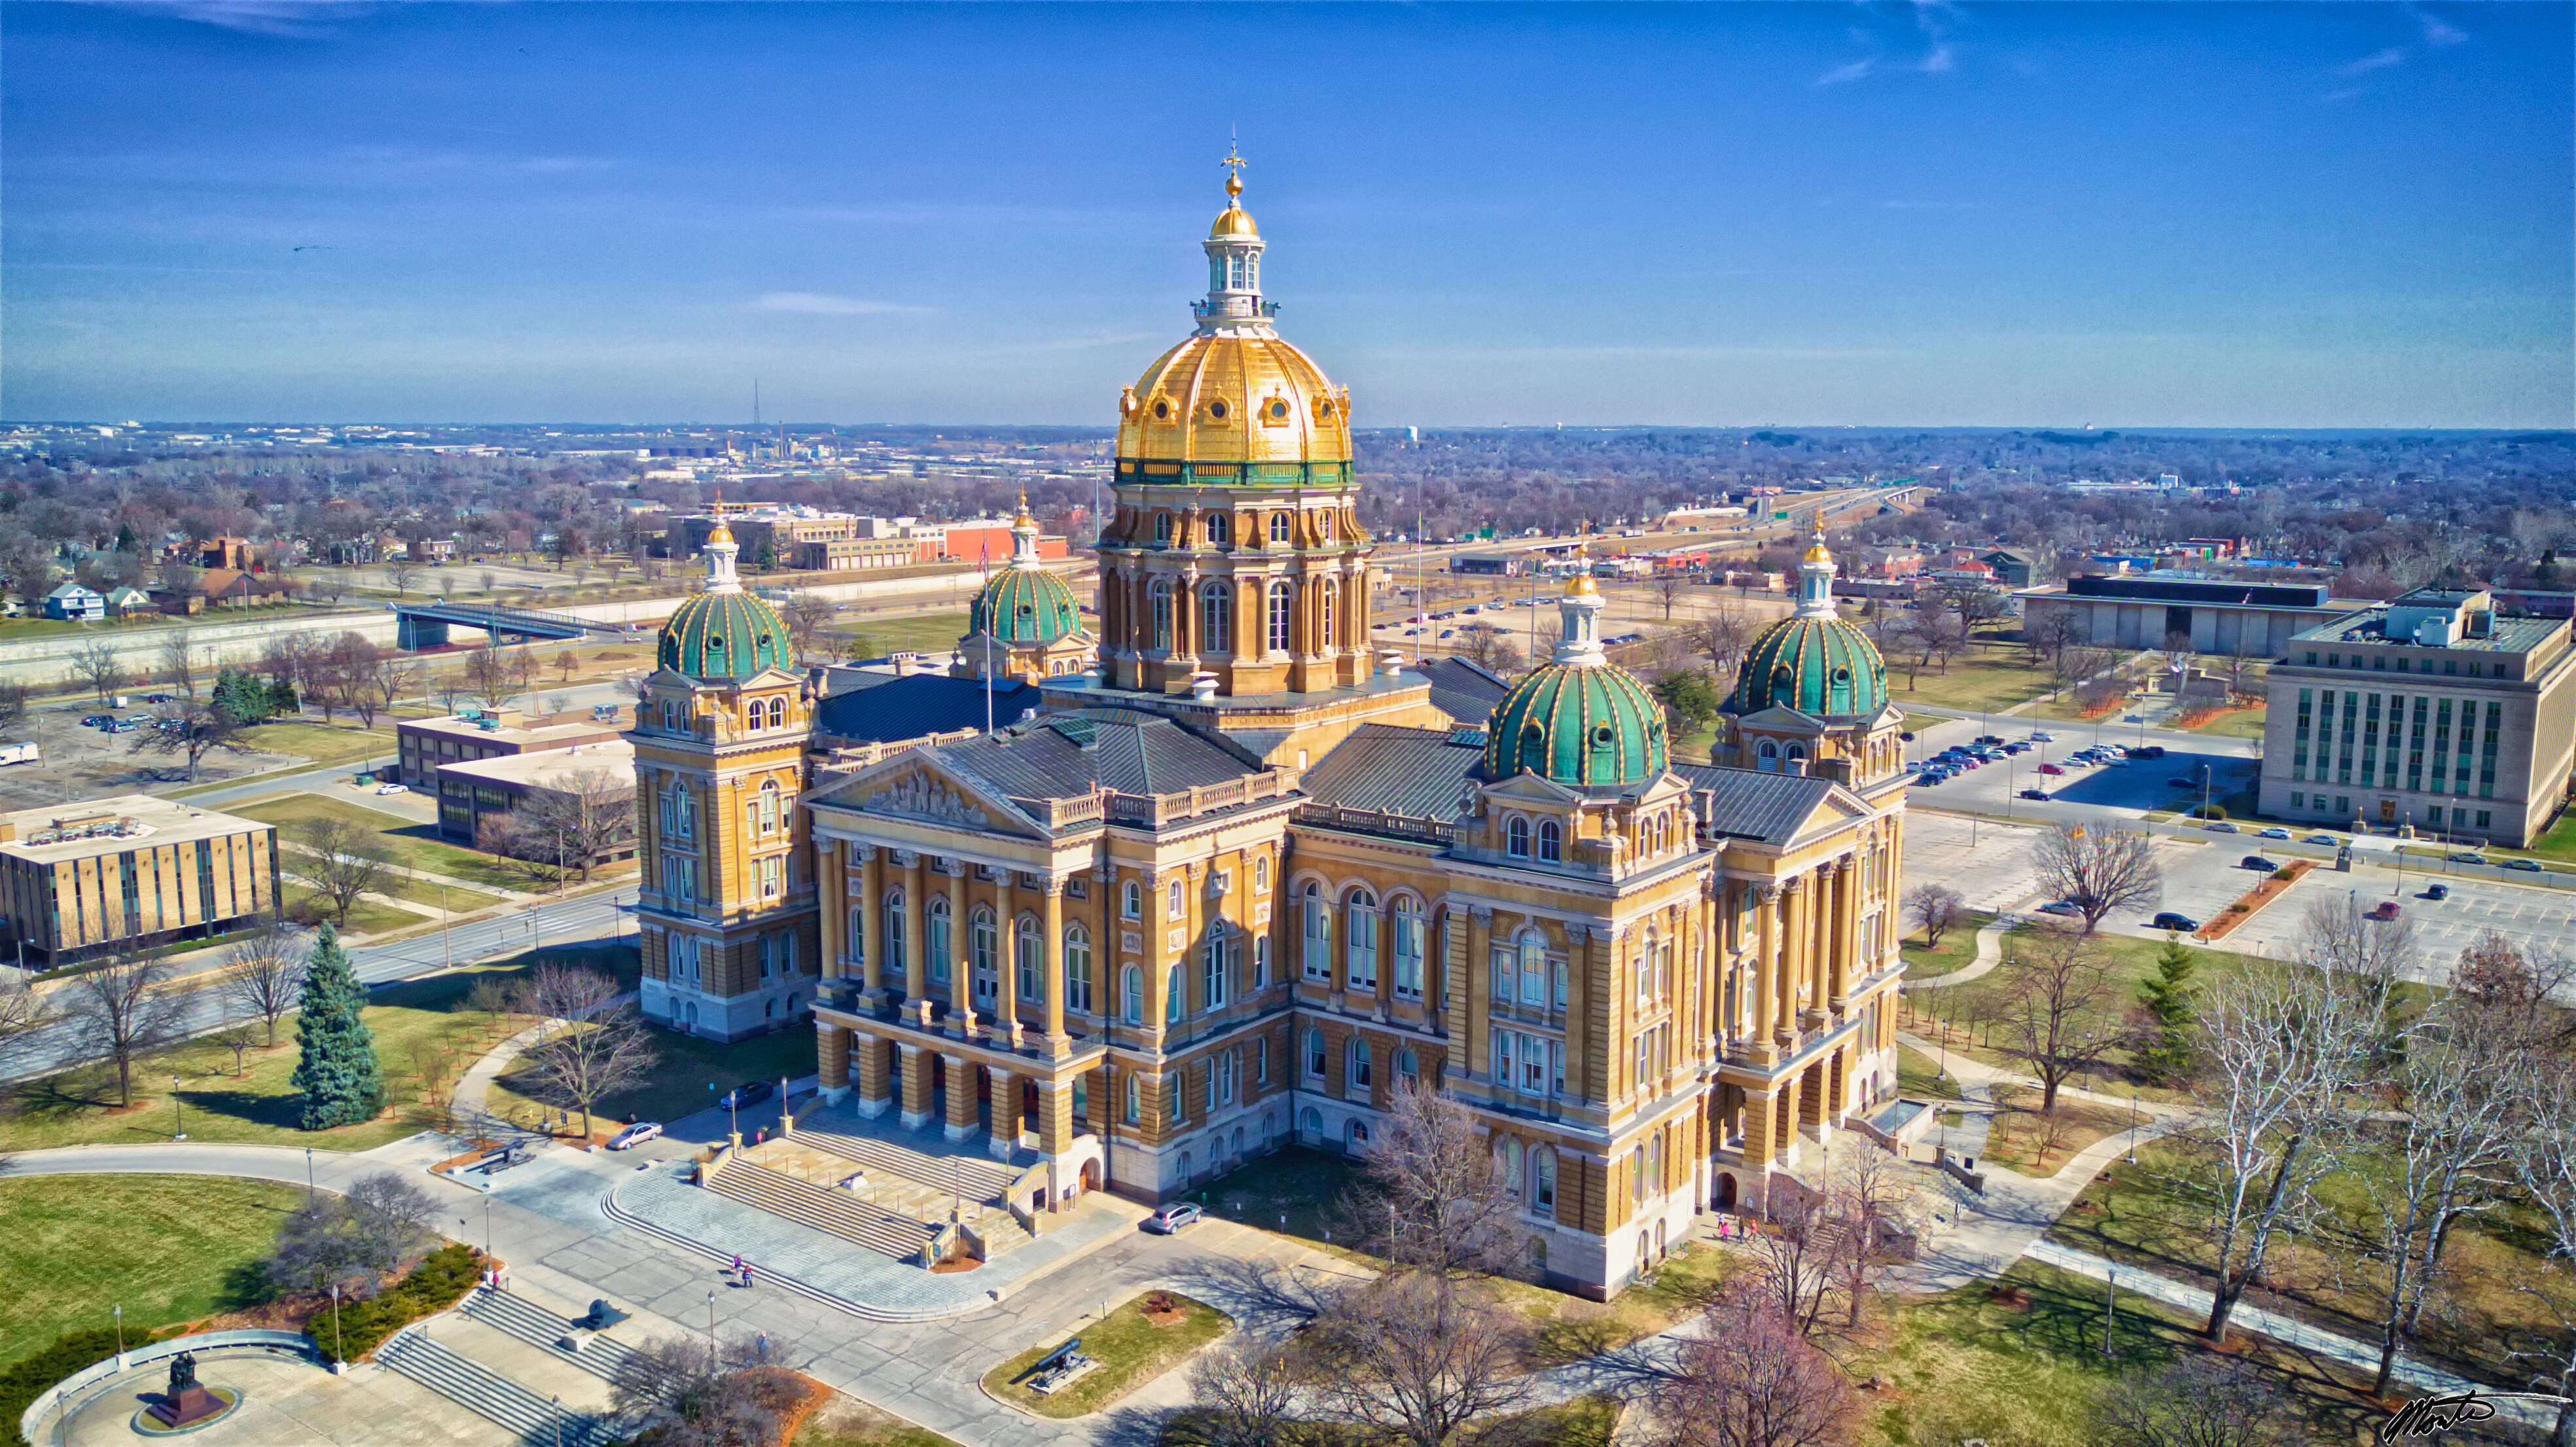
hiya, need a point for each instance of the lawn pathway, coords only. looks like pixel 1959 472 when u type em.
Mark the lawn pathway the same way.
pixel 1990 951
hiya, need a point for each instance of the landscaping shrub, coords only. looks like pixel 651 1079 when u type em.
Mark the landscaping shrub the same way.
pixel 23 1383
pixel 2209 811
pixel 440 1281
pixel 2285 874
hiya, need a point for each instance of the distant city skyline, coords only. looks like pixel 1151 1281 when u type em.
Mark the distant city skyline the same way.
pixel 2328 216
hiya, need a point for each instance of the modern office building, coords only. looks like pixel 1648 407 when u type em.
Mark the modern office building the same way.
pixel 492 733
pixel 2250 620
pixel 590 773
pixel 79 879
pixel 2439 712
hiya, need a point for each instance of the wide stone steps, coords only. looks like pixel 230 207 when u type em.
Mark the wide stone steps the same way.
pixel 537 1326
pixel 971 1177
pixel 836 1212
pixel 487 1393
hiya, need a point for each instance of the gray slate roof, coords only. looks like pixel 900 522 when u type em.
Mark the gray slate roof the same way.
pixel 922 703
pixel 1463 691
pixel 1066 755
pixel 1418 773
pixel 1750 804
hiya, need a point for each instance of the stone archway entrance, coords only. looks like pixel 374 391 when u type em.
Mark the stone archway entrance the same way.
pixel 1726 1191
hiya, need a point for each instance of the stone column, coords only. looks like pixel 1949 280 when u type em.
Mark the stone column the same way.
pixel 832 1059
pixel 1784 1122
pixel 1155 926
pixel 1473 1025
pixel 831 882
pixel 1006 989
pixel 916 923
pixel 1793 935
pixel 1006 1114
pixel 1846 935
pixel 1051 962
pixel 961 955
pixel 916 1087
pixel 964 1114
pixel 1766 993
pixel 871 924
pixel 876 1090
pixel 1760 1114
pixel 1812 940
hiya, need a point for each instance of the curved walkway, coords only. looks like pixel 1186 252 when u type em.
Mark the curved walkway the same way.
pixel 1990 953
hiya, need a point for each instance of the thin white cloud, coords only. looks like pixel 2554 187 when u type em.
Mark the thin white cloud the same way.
pixel 824 304
pixel 286 19
pixel 2377 60
pixel 2436 32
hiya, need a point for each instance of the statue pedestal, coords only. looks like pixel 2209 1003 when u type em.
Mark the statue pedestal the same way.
pixel 191 1403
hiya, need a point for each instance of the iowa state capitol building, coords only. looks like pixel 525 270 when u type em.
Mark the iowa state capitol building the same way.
pixel 1234 878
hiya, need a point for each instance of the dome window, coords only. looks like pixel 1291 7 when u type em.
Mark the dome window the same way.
pixel 1162 410
pixel 1604 736
pixel 1842 675
pixel 1275 411
pixel 1216 411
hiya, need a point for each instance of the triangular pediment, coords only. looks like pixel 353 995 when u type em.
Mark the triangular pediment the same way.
pixel 1529 788
pixel 917 785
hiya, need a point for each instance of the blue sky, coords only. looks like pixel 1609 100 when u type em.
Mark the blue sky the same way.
pixel 2175 215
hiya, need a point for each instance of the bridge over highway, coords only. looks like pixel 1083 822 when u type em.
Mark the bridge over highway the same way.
pixel 425 625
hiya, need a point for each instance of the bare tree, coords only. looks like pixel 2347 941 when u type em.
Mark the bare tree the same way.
pixel 601 1047
pixel 389 678
pixel 1669 587
pixel 1244 1396
pixel 2545 1167
pixel 1491 649
pixel 2057 996
pixel 380 1223
pixel 192 730
pixel 577 819
pixel 264 971
pixel 120 1011
pixel 697 1391
pixel 2283 1045
pixel 13 704
pixel 1933 635
pixel 403 572
pixel 1414 1356
pixel 2080 662
pixel 450 685
pixel 2097 868
pixel 1723 637
pixel 97 665
pixel 340 860
pixel 1937 909
pixel 1430 1196
pixel 23 1009
pixel 1793 1257
pixel 489 671
pixel 1748 1378
pixel 1868 1195
pixel 2052 633
pixel 805 613
pixel 238 1036
pixel 179 661
pixel 523 668
pixel 2197 1401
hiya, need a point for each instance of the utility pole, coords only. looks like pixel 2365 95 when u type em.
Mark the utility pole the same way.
pixel 2110 1299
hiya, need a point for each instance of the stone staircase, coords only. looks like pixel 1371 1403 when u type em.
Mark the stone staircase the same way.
pixel 487 1393
pixel 537 1326
pixel 837 1212
pixel 975 1178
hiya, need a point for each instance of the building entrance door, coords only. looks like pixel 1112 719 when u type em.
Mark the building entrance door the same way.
pixel 2387 811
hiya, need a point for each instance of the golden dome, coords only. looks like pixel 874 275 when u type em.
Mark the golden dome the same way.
pixel 1581 585
pixel 1217 398
pixel 1232 221
pixel 1816 550
pixel 719 533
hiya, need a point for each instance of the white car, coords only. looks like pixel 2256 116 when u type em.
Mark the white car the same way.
pixel 391 789
pixel 635 1135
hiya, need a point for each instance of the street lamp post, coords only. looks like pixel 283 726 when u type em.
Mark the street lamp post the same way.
pixel 119 1310
pixel 2133 1125
pixel 711 1321
pixel 178 1117
pixel 339 1344
pixel 308 1176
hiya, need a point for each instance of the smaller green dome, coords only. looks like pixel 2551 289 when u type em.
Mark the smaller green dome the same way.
pixel 723 635
pixel 1587 725
pixel 1822 667
pixel 1024 605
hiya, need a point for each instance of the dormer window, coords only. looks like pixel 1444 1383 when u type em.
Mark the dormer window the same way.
pixel 1516 837
pixel 1551 841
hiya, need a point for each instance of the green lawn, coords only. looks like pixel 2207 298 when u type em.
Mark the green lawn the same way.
pixel 849 1422
pixel 1916 1075
pixel 423 1041
pixel 339 741
pixel 2558 841
pixel 1130 1349
pixel 922 632
pixel 1958 948
pixel 687 1066
pixel 415 846
pixel 1978 1007
pixel 167 1249
pixel 2237 723
pixel 1985 678
pixel 429 892
pixel 366 917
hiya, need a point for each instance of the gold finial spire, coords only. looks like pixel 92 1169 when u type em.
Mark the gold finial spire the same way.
pixel 1023 519
pixel 1234 164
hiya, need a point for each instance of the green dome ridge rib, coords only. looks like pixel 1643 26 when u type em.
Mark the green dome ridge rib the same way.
pixel 723 635
pixel 1823 667
pixel 1024 605
pixel 1589 726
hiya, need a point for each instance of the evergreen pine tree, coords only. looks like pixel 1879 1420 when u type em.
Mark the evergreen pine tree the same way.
pixel 338 1075
pixel 2168 1000
pixel 242 696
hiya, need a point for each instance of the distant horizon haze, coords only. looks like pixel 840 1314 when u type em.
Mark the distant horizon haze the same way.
pixel 2142 217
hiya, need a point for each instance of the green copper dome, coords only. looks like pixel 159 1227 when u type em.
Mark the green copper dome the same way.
pixel 1823 667
pixel 1024 605
pixel 1588 725
pixel 724 635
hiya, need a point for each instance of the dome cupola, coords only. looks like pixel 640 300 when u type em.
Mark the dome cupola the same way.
pixel 1024 602
pixel 722 632
pixel 1579 720
pixel 1813 660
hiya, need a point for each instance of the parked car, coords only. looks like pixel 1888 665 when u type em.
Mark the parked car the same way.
pixel 2148 751
pixel 2437 891
pixel 2059 906
pixel 2320 839
pixel 2467 857
pixel 635 1135
pixel 2172 921
pixel 2050 769
pixel 1169 1220
pixel 2527 866
pixel 97 720
pixel 2273 834
pixel 2221 826
pixel 2257 861
pixel 2043 737
pixel 2385 909
pixel 1989 738
pixel 156 698
pixel 2040 794
pixel 390 788
pixel 750 1092
pixel 2181 781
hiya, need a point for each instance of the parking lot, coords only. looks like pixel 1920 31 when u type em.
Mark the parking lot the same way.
pixel 2120 790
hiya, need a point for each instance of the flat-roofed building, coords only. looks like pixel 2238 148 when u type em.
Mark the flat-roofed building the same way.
pixel 2438 711
pixel 586 778
pixel 2248 620
pixel 79 879
pixel 493 733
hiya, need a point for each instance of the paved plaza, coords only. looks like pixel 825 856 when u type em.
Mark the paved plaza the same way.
pixel 287 1402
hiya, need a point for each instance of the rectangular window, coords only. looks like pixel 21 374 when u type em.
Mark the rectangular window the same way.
pixel 2298 800
pixel 1556 1067
pixel 1506 974
pixel 2483 819
pixel 1135 1110
pixel 1261 1061
pixel 1503 1057
pixel 1260 961
pixel 1408 954
pixel 771 871
pixel 1533 1065
pixel 1176 1090
pixel 1212 972
pixel 1315 1048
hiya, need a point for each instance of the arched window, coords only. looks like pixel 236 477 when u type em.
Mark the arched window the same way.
pixel 1654 1178
pixel 1510 1168
pixel 1279 527
pixel 1324 524
pixel 937 945
pixel 1533 961
pixel 1283 602
pixel 986 939
pixel 1261 875
pixel 752 717
pixel 1163 529
pixel 1516 836
pixel 1543 1179
pixel 1357 1136
pixel 1135 1107
pixel 778 713
pixel 1131 900
pixel 1220 529
pixel 1077 968
pixel 1551 841
pixel 1316 1059
pixel 1028 959
pixel 1131 989
pixel 1318 914
pixel 1158 596
pixel 1174 901
pixel 1408 1066
pixel 1797 759
pixel 1359 1081
pixel 1769 757
pixel 1216 617
pixel 769 806
pixel 893 963
pixel 1362 916
pixel 1410 938
pixel 1212 968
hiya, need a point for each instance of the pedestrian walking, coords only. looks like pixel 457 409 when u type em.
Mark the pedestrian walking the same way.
pixel 737 1265
pixel 746 1278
